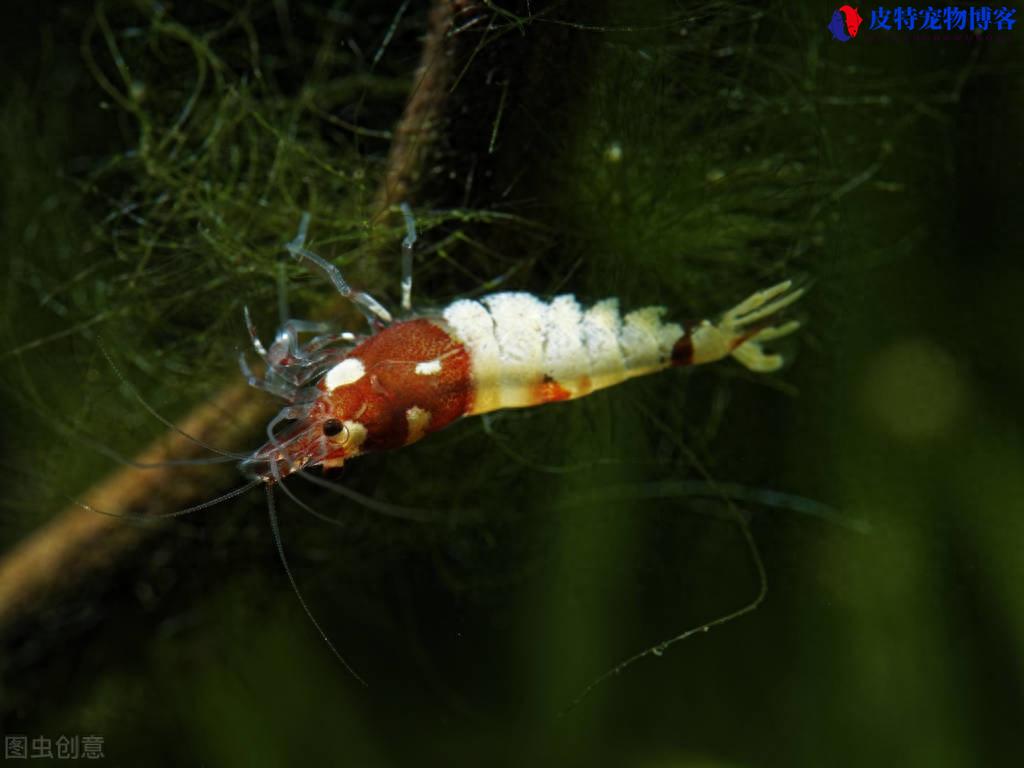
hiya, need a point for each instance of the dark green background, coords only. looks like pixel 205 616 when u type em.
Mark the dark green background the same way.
pixel 885 171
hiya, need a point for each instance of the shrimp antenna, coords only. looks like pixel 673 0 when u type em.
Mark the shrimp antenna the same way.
pixel 105 450
pixel 660 648
pixel 749 607
pixel 164 515
pixel 307 508
pixel 383 507
pixel 153 412
pixel 275 529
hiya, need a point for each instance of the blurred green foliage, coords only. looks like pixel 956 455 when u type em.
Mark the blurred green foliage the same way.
pixel 682 154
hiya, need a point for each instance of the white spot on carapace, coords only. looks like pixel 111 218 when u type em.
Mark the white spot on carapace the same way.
pixel 347 371
pixel 418 420
pixel 429 368
pixel 356 435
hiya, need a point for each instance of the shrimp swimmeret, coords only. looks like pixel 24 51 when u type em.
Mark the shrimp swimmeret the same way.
pixel 350 394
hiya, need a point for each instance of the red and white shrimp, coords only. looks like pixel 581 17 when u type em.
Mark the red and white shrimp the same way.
pixel 351 395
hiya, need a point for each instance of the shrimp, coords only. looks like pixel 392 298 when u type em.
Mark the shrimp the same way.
pixel 352 394
pixel 348 394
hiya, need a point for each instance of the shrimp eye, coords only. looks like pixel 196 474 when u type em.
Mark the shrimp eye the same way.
pixel 332 427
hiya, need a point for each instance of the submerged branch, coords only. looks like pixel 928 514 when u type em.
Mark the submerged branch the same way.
pixel 80 541
pixel 79 544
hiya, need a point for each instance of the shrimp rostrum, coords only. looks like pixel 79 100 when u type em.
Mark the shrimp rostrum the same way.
pixel 350 394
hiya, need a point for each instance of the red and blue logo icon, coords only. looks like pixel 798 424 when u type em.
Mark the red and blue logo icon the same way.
pixel 845 23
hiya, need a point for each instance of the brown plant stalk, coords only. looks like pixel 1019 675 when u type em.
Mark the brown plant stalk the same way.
pixel 79 543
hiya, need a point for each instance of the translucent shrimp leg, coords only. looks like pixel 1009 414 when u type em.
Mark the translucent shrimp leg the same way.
pixel 372 310
pixel 407 245
pixel 289 365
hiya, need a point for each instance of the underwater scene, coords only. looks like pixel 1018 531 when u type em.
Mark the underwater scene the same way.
pixel 511 382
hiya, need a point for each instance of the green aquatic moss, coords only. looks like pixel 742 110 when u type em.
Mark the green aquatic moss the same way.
pixel 670 154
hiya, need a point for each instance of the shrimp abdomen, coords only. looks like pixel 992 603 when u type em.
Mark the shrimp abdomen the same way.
pixel 525 351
